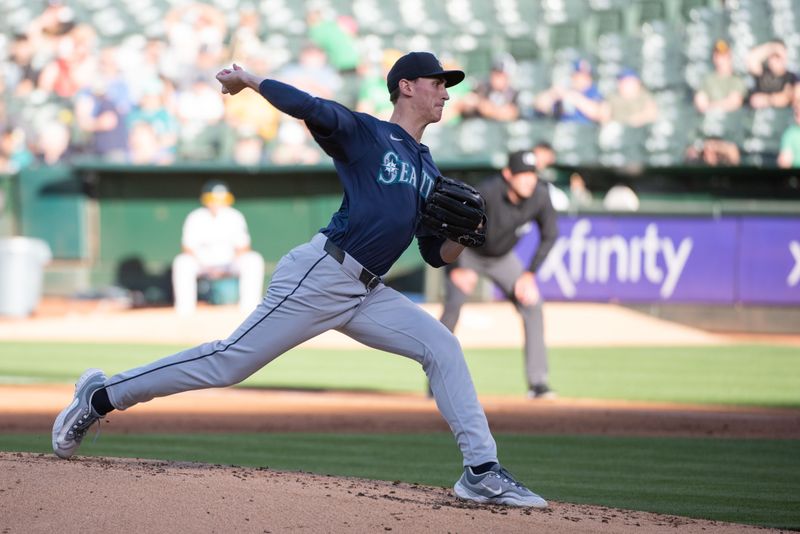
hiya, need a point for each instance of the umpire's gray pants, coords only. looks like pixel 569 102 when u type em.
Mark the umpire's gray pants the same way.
pixel 310 293
pixel 504 271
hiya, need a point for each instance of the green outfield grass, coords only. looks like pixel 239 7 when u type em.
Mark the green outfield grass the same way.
pixel 743 481
pixel 758 375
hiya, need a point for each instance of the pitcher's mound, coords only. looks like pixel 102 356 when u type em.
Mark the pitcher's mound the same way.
pixel 40 493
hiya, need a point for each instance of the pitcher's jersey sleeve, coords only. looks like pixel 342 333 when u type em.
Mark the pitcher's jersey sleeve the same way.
pixel 342 134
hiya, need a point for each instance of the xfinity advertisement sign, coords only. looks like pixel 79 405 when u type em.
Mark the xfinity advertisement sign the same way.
pixel 769 266
pixel 727 260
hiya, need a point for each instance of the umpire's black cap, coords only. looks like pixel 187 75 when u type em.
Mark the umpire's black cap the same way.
pixel 421 65
pixel 521 161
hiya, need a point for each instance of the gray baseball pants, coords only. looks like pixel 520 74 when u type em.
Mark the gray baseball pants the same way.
pixel 310 293
pixel 504 271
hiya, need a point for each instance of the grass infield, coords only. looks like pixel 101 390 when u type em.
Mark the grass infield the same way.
pixel 743 481
pixel 755 375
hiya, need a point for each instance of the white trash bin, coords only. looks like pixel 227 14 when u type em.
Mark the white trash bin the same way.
pixel 22 261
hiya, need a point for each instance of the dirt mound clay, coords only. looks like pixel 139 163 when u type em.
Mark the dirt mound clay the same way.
pixel 42 494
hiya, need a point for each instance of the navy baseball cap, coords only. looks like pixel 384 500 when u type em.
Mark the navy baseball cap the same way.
pixel 421 65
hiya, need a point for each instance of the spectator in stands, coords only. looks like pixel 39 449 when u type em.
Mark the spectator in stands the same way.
pixel 372 97
pixel 789 155
pixel 631 104
pixel 336 37
pixel 46 31
pixel 152 111
pixel 245 37
pixel 493 99
pixel 713 151
pixel 151 60
pixel 216 244
pixel 99 118
pixel 294 144
pixel 773 83
pixel 579 194
pixel 146 147
pixel 546 157
pixel 312 73
pixel 192 29
pixel 722 90
pixel 581 101
pixel 249 112
pixel 74 65
pixel 14 153
pixel 200 111
pixel 19 72
pixel 117 88
pixel 54 145
pixel 459 94
pixel 248 149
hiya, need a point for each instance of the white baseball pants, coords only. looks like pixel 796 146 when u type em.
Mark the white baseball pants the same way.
pixel 249 267
pixel 311 293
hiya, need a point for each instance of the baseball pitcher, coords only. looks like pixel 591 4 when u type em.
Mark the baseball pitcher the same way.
pixel 393 192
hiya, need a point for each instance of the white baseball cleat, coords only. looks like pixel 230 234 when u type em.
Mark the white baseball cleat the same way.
pixel 496 486
pixel 72 423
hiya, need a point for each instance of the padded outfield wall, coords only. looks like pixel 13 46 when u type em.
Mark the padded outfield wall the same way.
pixel 715 236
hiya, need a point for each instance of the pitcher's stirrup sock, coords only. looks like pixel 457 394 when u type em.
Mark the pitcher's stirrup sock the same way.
pixel 100 402
pixel 479 469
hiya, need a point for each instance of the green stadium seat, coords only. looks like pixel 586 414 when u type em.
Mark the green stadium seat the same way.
pixel 205 146
pixel 556 13
pixel 689 6
pixel 602 22
pixel 725 125
pixel 523 48
pixel 440 139
pixel 532 76
pixel 765 130
pixel 666 140
pixel 342 7
pixel 619 144
pixel 519 134
pixel 562 36
pixel 619 50
pixel 479 138
pixel 662 58
pixel 575 143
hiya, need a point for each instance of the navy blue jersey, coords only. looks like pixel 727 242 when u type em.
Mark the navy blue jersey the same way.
pixel 385 173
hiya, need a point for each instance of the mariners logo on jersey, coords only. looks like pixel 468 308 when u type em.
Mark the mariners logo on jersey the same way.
pixel 394 170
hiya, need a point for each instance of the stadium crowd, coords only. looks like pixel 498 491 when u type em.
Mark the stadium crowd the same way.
pixel 67 91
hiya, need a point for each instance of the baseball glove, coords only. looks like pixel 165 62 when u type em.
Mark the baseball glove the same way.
pixel 456 210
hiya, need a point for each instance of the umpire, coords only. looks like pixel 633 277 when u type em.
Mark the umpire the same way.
pixel 514 200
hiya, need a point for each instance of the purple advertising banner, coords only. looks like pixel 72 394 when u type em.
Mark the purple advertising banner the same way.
pixel 769 263
pixel 671 259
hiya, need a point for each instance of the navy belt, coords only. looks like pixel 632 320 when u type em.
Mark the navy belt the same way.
pixel 366 277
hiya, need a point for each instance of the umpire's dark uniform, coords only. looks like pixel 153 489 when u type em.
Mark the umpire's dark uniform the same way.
pixel 506 224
